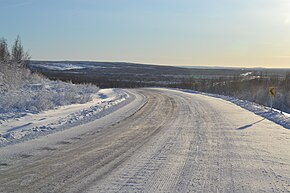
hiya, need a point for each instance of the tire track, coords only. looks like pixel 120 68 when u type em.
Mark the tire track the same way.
pixel 175 142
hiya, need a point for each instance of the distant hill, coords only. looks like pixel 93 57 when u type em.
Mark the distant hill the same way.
pixel 122 74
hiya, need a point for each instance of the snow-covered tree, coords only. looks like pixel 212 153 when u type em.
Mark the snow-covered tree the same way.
pixel 23 91
pixel 4 52
pixel 18 55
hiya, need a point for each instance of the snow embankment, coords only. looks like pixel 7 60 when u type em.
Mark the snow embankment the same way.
pixel 33 125
pixel 276 116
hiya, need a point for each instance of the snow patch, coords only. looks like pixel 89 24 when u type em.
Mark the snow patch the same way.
pixel 62 66
pixel 247 74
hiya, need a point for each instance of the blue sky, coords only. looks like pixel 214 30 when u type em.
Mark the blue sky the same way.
pixel 176 32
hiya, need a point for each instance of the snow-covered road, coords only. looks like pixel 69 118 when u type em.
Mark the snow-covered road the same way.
pixel 162 141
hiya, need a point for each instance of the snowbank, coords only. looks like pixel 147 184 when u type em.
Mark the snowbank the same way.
pixel 30 126
pixel 23 92
pixel 37 97
pixel 275 115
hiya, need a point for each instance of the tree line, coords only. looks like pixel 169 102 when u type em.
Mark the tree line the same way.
pixel 13 65
pixel 254 88
pixel 16 55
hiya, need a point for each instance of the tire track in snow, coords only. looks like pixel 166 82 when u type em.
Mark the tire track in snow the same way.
pixel 176 142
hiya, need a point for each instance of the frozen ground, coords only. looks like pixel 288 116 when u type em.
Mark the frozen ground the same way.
pixel 162 141
pixel 30 126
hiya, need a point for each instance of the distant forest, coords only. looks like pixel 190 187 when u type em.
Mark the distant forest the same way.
pixel 246 84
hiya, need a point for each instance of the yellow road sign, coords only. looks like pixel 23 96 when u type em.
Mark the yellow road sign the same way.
pixel 272 91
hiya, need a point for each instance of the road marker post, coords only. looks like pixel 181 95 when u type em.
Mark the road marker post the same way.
pixel 272 94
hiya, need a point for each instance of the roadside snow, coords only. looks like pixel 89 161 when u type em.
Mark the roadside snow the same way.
pixel 117 113
pixel 34 96
pixel 33 125
pixel 276 116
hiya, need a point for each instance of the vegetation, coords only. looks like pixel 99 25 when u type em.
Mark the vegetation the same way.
pixel 254 88
pixel 22 91
pixel 13 71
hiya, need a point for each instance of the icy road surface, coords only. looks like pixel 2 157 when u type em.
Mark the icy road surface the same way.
pixel 163 141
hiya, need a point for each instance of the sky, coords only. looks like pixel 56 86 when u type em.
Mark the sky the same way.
pixel 237 33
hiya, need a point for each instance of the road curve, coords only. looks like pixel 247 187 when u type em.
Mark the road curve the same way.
pixel 175 142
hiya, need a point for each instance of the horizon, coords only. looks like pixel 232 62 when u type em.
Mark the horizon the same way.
pixel 240 34
pixel 170 65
